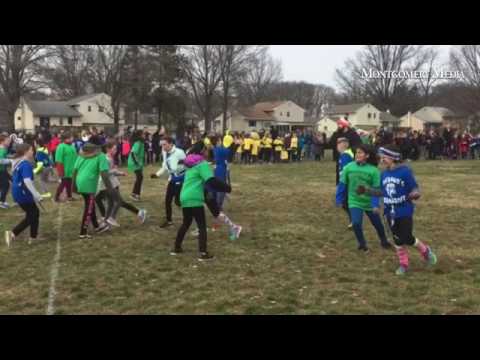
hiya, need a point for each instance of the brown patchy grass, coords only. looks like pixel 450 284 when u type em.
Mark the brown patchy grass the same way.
pixel 295 255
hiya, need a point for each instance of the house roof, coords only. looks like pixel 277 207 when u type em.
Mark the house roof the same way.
pixel 433 114
pixel 346 109
pixel 52 108
pixel 387 117
pixel 78 99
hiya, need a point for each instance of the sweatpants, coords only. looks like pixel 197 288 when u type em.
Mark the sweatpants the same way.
pixel 197 213
pixel 89 214
pixel 66 183
pixel 114 203
pixel 32 219
pixel 173 192
pixel 357 222
pixel 137 187
pixel 45 179
pixel 4 185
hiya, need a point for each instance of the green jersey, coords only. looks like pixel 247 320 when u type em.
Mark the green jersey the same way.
pixel 3 155
pixel 354 175
pixel 192 194
pixel 66 155
pixel 88 172
pixel 138 150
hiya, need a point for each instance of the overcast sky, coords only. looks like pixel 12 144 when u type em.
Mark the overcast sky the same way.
pixel 317 63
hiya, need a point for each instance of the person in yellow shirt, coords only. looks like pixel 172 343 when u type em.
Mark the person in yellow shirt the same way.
pixel 254 151
pixel 247 149
pixel 278 147
pixel 267 148
pixel 293 147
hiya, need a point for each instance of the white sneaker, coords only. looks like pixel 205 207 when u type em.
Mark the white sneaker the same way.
pixel 195 232
pixel 142 215
pixel 9 237
pixel 112 222
pixel 4 205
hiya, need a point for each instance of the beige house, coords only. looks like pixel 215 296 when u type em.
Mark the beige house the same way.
pixel 283 115
pixel 429 117
pixel 327 125
pixel 363 116
pixel 83 111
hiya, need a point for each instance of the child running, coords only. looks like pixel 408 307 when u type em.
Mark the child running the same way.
pixel 192 198
pixel 65 157
pixel 24 193
pixel 44 167
pixel 363 171
pixel 4 175
pixel 399 189
pixel 345 158
pixel 136 161
pixel 89 166
pixel 114 198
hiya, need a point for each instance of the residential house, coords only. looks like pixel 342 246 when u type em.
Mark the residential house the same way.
pixel 83 111
pixel 388 120
pixel 363 116
pixel 282 115
pixel 432 117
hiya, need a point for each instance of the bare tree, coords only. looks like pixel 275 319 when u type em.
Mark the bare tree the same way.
pixel 68 71
pixel 263 71
pixel 383 58
pixel 202 68
pixel 430 65
pixel 109 75
pixel 466 59
pixel 19 73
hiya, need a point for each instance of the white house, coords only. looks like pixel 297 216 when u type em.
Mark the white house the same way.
pixel 283 115
pixel 363 116
pixel 429 117
pixel 83 111
pixel 327 125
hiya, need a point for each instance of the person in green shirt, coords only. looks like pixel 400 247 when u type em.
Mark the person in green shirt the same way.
pixel 65 157
pixel 362 172
pixel 89 166
pixel 136 160
pixel 4 175
pixel 192 197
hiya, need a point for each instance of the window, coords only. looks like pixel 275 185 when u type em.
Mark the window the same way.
pixel 369 115
pixel 374 115
pixel 60 121
pixel 100 108
pixel 288 114
pixel 70 121
pixel 19 118
pixel 281 113
pixel 89 109
pixel 252 123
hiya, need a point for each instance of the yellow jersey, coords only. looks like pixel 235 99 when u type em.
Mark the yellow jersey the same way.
pixel 267 143
pixel 255 147
pixel 278 144
pixel 240 146
pixel 294 143
pixel 247 144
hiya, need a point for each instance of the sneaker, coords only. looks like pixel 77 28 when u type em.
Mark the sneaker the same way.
pixel 102 228
pixel 235 233
pixel 215 227
pixel 401 271
pixel 135 197
pixel 205 257
pixel 195 233
pixel 431 257
pixel 4 205
pixel 46 195
pixel 176 252
pixel 386 245
pixel 112 222
pixel 142 215
pixel 9 238
pixel 350 226
pixel 364 249
pixel 166 224
pixel 86 236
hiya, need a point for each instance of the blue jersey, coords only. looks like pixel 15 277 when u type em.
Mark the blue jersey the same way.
pixel 397 184
pixel 43 157
pixel 221 156
pixel 23 170
pixel 345 159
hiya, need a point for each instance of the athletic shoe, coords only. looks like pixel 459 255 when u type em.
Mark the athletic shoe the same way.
pixel 215 227
pixel 46 195
pixel 166 224
pixel 401 271
pixel 176 252
pixel 235 233
pixel 9 238
pixel 113 222
pixel 205 257
pixel 386 245
pixel 142 215
pixel 364 249
pixel 32 240
pixel 4 205
pixel 431 257
pixel 350 226
pixel 195 232
pixel 86 236
pixel 102 228
pixel 135 197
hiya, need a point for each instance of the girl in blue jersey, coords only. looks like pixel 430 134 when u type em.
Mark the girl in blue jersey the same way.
pixel 399 188
pixel 24 193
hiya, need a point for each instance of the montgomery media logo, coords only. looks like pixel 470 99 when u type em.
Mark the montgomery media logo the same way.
pixel 442 74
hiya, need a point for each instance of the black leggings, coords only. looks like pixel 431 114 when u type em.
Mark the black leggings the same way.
pixel 197 213
pixel 89 214
pixel 4 185
pixel 137 187
pixel 32 217
pixel 173 192
pixel 402 230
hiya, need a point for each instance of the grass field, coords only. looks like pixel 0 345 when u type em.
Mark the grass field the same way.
pixel 295 254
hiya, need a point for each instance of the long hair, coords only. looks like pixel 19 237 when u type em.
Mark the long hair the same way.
pixel 370 151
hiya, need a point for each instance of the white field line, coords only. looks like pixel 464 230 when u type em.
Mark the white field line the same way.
pixel 55 265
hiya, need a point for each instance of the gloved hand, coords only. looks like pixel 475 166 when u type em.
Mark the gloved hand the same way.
pixel 361 189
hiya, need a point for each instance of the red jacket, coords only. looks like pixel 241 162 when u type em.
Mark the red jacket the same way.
pixel 53 144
